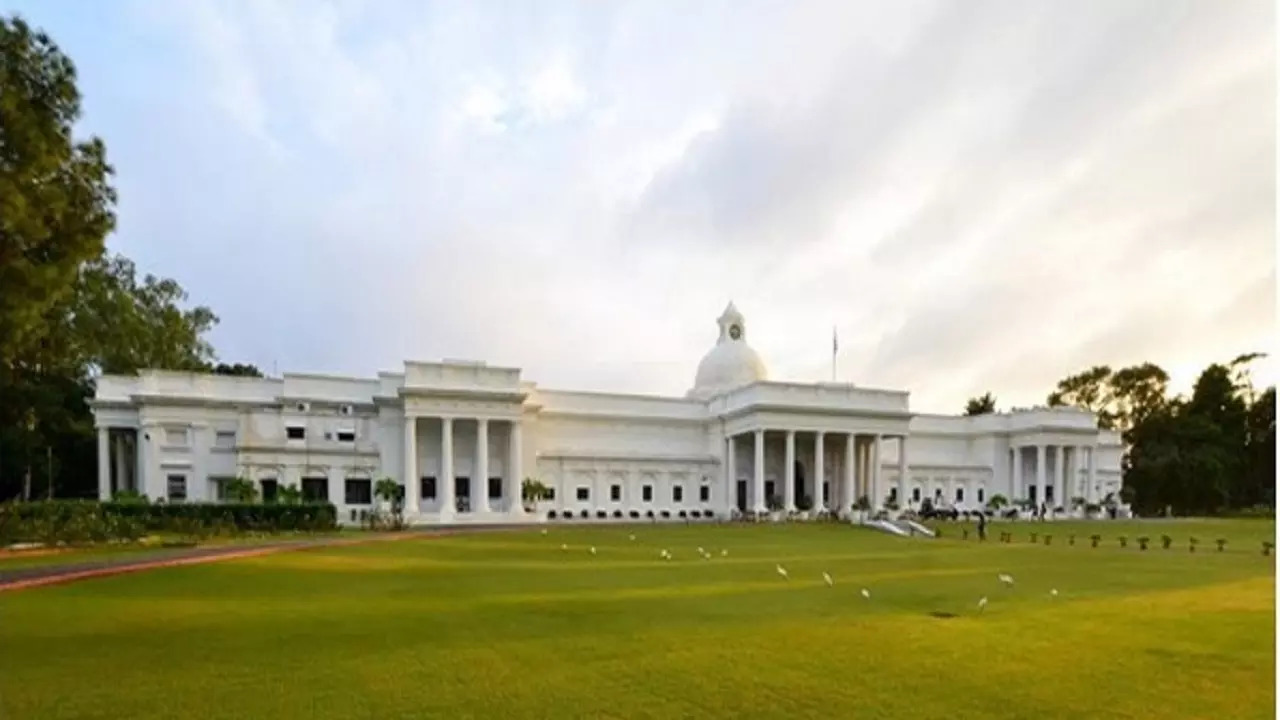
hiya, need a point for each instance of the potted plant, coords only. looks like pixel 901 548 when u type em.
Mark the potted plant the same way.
pixel 533 491
pixel 863 505
pixel 804 505
pixel 1222 544
pixel 1094 539
pixel 1142 542
pixel 389 493
pixel 1191 544
pixel 1166 541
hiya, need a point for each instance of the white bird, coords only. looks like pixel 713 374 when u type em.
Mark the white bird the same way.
pixel 664 554
pixel 724 553
pixel 701 551
pixel 563 546
pixel 632 537
pixel 827 579
pixel 593 549
pixel 866 593
pixel 783 572
pixel 544 531
pixel 982 603
pixel 1054 592
pixel 1006 579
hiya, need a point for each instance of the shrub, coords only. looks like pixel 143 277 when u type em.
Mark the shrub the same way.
pixel 617 514
pixel 1124 541
pixel 1222 544
pixel 1191 544
pixel 1071 539
pixel 695 514
pixel 551 514
pixel 1166 541
pixel 1033 537
pixel 649 514
pixel 1093 539
pixel 634 513
pixel 1048 539
pixel 666 514
pixel 602 514
pixel 1267 547
pixel 1142 542
pixel 584 514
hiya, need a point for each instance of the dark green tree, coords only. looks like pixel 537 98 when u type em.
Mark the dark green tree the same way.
pixel 237 369
pixel 983 405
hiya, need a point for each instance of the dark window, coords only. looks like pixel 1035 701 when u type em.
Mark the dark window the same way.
pixel 915 494
pixel 959 494
pixel 893 494
pixel 615 492
pixel 359 491
pixel 315 489
pixel 584 493
pixel 428 488
pixel 551 493
pixel 981 495
pixel 295 432
pixel 270 490
pixel 495 488
pixel 677 493
pixel 937 493
pixel 647 493
pixel 177 488
pixel 346 436
pixel 704 493
pixel 826 493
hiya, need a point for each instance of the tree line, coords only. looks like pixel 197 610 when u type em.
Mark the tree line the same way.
pixel 1211 452
pixel 69 309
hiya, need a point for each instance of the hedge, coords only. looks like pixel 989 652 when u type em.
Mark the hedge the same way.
pixel 84 521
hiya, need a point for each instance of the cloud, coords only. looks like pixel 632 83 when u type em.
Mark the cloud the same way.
pixel 981 196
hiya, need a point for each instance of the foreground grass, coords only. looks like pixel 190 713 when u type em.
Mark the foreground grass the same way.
pixel 126 552
pixel 509 625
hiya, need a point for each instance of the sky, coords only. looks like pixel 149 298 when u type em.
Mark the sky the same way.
pixel 976 196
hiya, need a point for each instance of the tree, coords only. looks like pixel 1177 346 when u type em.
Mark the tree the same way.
pixel 1088 390
pixel 982 405
pixel 240 490
pixel 56 201
pixel 237 370
pixel 1135 393
pixel 289 495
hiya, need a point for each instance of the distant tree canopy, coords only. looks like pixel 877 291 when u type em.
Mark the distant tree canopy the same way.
pixel 1210 452
pixel 982 405
pixel 237 369
pixel 68 310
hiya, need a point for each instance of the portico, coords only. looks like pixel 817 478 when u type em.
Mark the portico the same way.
pixel 1054 473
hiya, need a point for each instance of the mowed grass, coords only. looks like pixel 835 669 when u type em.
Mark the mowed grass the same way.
pixel 508 625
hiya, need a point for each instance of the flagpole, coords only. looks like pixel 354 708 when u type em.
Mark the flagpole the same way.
pixel 835 347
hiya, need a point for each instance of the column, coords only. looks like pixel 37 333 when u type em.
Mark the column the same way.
pixel 122 468
pixel 412 493
pixel 757 499
pixel 819 472
pixel 1040 475
pixel 445 483
pixel 877 501
pixel 1078 455
pixel 142 449
pixel 104 463
pixel 1015 490
pixel 789 489
pixel 732 464
pixel 850 492
pixel 515 471
pixel 480 483
pixel 902 472
pixel 1092 487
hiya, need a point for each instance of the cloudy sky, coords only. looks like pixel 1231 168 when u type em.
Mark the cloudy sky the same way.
pixel 979 195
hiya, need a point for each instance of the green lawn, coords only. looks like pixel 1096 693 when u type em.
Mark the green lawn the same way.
pixel 507 625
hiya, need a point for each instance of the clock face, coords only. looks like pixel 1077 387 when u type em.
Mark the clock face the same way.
pixel 735 332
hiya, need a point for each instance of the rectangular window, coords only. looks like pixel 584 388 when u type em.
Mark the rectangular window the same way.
pixel 224 439
pixel 428 486
pixel 677 493
pixel 175 436
pixel 915 494
pixel 177 488
pixel 346 436
pixel 270 490
pixel 981 495
pixel 893 494
pixel 647 493
pixel 704 493
pixel 315 489
pixel 959 494
pixel 358 491
pixel 615 493
pixel 584 494
pixel 551 494
pixel 495 488
pixel 295 432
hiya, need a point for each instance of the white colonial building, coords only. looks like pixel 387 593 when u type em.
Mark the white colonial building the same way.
pixel 461 436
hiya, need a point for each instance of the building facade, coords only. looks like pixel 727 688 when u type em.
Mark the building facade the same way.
pixel 460 437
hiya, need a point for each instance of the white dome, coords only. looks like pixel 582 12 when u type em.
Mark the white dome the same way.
pixel 731 363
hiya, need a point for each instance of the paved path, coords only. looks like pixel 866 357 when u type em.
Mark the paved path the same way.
pixel 29 577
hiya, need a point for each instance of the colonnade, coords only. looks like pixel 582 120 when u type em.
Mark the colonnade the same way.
pixel 1058 489
pixel 445 483
pixel 858 473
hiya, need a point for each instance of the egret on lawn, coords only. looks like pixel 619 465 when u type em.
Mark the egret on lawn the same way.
pixel 982 603
pixel 544 531
pixel 593 549
pixel 701 551
pixel 1006 579
pixel 827 579
pixel 1054 592
pixel 783 572
pixel 724 553
pixel 866 593
pixel 632 537
pixel 563 546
